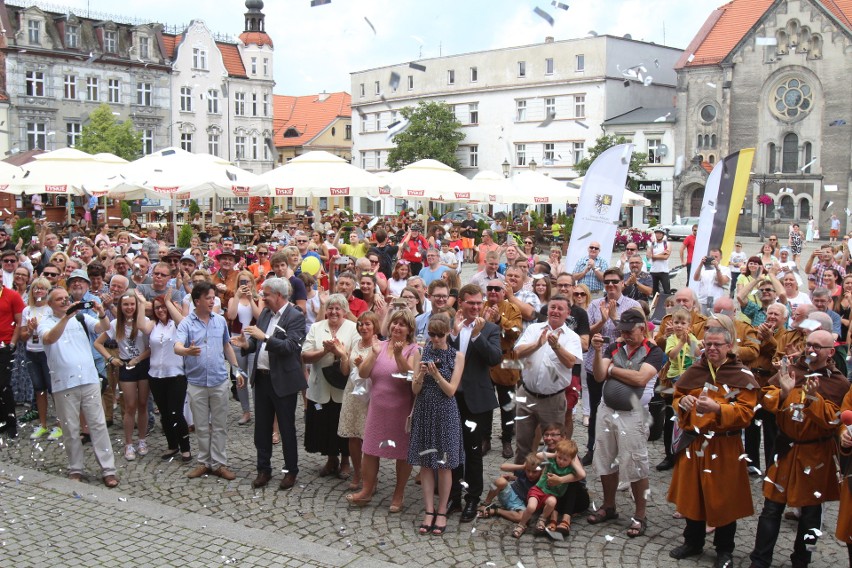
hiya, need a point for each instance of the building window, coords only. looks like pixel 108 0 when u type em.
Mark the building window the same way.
pixel 92 89
pixel 213 101
pixel 73 131
pixel 378 87
pixel 473 113
pixel 34 31
pixel 550 106
pixel 378 121
pixel 71 87
pixel 548 66
pixel 363 160
pixel 35 83
pixel 377 159
pixel 520 110
pixel 240 147
pixel 110 41
pixel 186 99
pixel 520 154
pixel 549 155
pixel 793 99
pixel 266 104
pixel 522 68
pixel 113 91
pixel 361 87
pixel 580 62
pixel 240 104
pixel 809 150
pixel 254 148
pixel 186 141
pixel 213 144
pixel 144 48
pixel 654 156
pixel 712 140
pixel 579 151
pixel 451 77
pixel 144 94
pixel 773 163
pixel 411 82
pixel 473 156
pixel 254 65
pixel 254 104
pixel 708 113
pixel 266 67
pixel 147 142
pixel 266 149
pixel 72 36
pixel 790 154
pixel 348 132
pixel 199 58
pixel 36 136
pixel 579 106
pixel 474 75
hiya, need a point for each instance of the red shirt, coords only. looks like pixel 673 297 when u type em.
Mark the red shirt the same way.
pixel 689 243
pixel 357 306
pixel 414 250
pixel 11 305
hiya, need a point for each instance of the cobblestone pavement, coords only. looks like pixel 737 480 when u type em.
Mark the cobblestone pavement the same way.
pixel 168 518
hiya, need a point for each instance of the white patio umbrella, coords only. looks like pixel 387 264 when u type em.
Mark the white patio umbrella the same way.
pixel 629 199
pixel 431 180
pixel 533 188
pixel 64 171
pixel 321 174
pixel 8 174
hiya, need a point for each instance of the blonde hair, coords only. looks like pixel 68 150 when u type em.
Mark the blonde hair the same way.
pixel 407 317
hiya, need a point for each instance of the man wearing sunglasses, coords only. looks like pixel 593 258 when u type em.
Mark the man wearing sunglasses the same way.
pixel 9 259
pixel 589 270
pixel 770 290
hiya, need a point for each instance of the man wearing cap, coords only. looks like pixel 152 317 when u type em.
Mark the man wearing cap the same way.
pixel 413 247
pixel 225 279
pixel 658 253
pixel 624 368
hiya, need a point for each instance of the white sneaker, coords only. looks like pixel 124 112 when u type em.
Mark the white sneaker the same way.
pixel 129 452
pixel 142 448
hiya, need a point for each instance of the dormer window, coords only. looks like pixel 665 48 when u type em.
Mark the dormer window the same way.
pixel 144 48
pixel 72 36
pixel 291 133
pixel 110 41
pixel 34 31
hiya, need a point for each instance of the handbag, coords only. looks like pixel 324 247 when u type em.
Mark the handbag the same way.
pixel 681 439
pixel 335 376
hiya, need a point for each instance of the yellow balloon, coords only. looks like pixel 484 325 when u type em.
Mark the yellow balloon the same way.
pixel 311 265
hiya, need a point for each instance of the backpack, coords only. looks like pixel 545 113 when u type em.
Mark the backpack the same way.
pixel 385 260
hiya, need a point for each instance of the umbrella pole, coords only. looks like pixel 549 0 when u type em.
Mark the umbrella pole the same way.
pixel 174 221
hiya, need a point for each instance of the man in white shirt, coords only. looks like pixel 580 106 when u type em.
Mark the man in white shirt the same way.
pixel 712 279
pixel 549 351
pixel 658 253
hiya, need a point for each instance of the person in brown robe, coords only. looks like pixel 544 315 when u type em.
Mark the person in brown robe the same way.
pixel 805 398
pixel 844 515
pixel 714 398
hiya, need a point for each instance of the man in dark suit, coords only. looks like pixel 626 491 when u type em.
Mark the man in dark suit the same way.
pixel 479 341
pixel 277 378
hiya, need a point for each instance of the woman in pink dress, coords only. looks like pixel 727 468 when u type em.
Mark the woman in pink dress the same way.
pixel 391 401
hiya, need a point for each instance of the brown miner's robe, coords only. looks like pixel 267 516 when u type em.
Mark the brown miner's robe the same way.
pixel 805 472
pixel 748 342
pixel 844 515
pixel 714 487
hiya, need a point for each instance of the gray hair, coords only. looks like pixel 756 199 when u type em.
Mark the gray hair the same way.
pixel 279 286
pixel 338 300
pixel 821 293
pixel 823 319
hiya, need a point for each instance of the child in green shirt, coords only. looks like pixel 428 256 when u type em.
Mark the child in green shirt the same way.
pixel 682 346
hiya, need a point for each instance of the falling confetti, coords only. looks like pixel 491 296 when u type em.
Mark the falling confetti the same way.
pixel 559 5
pixel 387 443
pixel 369 23
pixel 429 451
pixel 543 15
pixel 470 424
pixel 546 122
pixel 394 80
pixel 315 3
pixel 417 66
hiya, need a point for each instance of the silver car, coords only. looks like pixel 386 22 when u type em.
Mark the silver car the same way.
pixel 678 230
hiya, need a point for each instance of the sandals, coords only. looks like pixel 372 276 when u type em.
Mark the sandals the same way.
pixel 633 531
pixel 424 528
pixel 436 530
pixel 602 515
pixel 519 530
pixel 276 438
pixel 564 527
pixel 540 527
pixel 360 502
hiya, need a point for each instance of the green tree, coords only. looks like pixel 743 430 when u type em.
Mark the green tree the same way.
pixel 638 160
pixel 433 133
pixel 103 133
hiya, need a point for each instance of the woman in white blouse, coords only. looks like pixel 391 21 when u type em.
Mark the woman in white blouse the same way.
pixel 327 343
pixel 168 383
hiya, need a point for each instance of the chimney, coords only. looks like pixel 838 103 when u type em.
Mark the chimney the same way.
pixel 548 39
pixel 322 96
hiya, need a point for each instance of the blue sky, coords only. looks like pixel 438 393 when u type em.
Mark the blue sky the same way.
pixel 316 48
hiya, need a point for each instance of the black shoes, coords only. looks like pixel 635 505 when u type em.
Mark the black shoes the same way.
pixel 666 464
pixel 724 560
pixel 508 452
pixel 685 551
pixel 587 459
pixel 469 512
pixel 486 446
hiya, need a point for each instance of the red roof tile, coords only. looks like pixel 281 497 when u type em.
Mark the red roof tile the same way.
pixel 308 115
pixel 257 38
pixel 727 25
pixel 232 59
pixel 170 43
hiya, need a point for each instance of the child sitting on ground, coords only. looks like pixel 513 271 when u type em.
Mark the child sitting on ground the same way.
pixel 560 470
pixel 512 490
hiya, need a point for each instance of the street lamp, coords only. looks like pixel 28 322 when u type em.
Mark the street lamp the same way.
pixel 533 165
pixel 506 165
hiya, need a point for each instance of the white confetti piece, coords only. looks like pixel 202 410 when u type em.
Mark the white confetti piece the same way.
pixel 387 443
pixel 429 451
pixel 817 494
pixel 609 538
pixel 470 424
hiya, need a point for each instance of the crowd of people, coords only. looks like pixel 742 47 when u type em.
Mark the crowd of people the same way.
pixel 371 330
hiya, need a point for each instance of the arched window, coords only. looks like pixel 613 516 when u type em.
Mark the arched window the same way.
pixel 804 208
pixel 809 150
pixel 773 165
pixel 711 159
pixel 713 141
pixel 700 141
pixel 706 140
pixel 790 154
pixel 695 202
pixel 787 206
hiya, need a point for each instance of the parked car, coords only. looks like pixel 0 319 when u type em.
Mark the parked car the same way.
pixel 678 230
pixel 460 215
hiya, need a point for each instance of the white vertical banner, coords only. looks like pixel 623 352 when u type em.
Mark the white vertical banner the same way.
pixel 599 205
pixel 705 223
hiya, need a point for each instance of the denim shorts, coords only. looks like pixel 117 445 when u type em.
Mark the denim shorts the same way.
pixel 38 371
pixel 509 500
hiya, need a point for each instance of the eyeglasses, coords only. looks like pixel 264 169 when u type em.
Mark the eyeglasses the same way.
pixel 368 274
pixel 408 297
pixel 632 250
pixel 493 288
pixel 435 334
pixel 771 239
pixel 162 274
pixel 612 282
pixel 472 303
pixel 816 346
pixel 439 296
pixel 594 248
pixel 10 260
pixel 374 261
pixel 712 345
pixel 528 242
pixel 579 294
pixel 228 239
pixel 767 289
pixel 564 285
pixel 50 274
pixel 301 240
pixel 262 253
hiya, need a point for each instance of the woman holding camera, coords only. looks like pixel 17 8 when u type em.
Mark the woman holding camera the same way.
pixel 242 310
